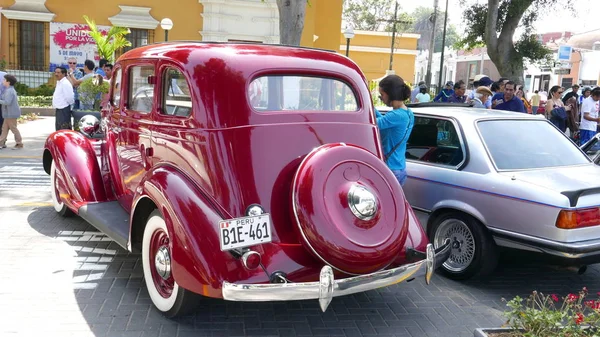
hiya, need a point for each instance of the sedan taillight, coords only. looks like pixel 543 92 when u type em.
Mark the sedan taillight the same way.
pixel 572 219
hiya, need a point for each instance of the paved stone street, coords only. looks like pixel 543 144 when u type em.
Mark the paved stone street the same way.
pixel 61 277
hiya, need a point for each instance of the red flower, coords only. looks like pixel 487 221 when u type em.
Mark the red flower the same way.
pixel 590 304
pixel 572 298
pixel 579 318
pixel 554 297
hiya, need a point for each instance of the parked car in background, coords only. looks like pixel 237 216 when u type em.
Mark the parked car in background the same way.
pixel 481 179
pixel 592 148
pixel 248 172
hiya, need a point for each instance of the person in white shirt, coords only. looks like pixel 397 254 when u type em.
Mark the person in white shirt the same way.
pixel 589 116
pixel 62 99
pixel 423 95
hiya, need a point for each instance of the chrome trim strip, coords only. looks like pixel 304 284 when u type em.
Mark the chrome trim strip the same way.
pixel 578 247
pixel 328 287
pixel 421 209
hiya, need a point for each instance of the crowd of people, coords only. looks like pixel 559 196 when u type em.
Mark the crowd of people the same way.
pixel 65 98
pixel 563 110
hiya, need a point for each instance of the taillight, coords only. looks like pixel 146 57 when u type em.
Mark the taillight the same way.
pixel 571 219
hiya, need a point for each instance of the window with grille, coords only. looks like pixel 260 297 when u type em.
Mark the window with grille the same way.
pixel 31 45
pixel 137 37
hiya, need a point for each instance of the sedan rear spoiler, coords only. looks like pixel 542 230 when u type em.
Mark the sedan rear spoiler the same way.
pixel 573 196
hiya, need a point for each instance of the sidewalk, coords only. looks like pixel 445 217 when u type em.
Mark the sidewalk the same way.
pixel 34 135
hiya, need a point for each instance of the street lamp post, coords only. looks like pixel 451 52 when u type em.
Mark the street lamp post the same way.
pixel 348 34
pixel 443 48
pixel 166 24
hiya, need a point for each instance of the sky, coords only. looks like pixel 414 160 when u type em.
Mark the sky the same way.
pixel 586 18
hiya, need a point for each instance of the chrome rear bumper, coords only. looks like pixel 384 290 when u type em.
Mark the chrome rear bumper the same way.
pixel 327 287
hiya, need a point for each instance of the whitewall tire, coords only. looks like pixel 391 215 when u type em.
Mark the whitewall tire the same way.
pixel 57 203
pixel 166 295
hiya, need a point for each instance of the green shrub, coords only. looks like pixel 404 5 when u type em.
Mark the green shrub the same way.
pixel 35 101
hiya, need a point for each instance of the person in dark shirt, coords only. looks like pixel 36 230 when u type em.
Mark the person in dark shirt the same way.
pixel 507 100
pixel 573 93
pixel 459 93
pixel 445 94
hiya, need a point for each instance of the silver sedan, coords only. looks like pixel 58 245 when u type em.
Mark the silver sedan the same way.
pixel 487 178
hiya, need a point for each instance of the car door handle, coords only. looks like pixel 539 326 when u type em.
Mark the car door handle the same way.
pixel 149 152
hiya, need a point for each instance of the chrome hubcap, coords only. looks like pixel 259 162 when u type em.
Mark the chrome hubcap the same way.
pixel 362 202
pixel 162 262
pixel 462 242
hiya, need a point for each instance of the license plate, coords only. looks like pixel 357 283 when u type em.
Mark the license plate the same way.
pixel 245 231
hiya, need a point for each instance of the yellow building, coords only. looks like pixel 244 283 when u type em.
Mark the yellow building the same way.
pixel 371 51
pixel 39 35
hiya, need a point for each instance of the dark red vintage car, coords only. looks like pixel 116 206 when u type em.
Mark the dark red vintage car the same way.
pixel 246 172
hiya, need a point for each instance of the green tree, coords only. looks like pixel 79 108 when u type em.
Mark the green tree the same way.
pixel 494 25
pixel 368 14
pixel 108 44
pixel 422 25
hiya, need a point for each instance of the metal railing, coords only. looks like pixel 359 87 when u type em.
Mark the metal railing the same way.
pixel 32 77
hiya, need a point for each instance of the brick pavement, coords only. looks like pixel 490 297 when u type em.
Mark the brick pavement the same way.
pixel 60 277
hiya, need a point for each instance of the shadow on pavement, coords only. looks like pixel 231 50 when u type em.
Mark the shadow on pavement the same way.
pixel 108 286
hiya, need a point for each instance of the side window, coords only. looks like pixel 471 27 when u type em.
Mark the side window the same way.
pixel 117 88
pixel 176 99
pixel 434 141
pixel 141 92
pixel 301 93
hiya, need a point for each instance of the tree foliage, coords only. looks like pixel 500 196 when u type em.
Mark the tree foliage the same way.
pixel 495 24
pixel 108 44
pixel 368 14
pixel 422 25
pixel 377 15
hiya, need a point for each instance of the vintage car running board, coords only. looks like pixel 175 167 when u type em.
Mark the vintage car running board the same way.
pixel 109 218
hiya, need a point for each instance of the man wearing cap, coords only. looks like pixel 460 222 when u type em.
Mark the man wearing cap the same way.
pixel 481 95
pixel 415 92
pixel 445 94
pixel 482 81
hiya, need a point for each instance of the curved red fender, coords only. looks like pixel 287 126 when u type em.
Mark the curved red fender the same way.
pixel 77 165
pixel 198 264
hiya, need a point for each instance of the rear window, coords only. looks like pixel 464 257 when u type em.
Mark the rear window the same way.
pixel 301 93
pixel 524 144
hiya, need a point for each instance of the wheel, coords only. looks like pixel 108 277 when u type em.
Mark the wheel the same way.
pixel 166 295
pixel 473 249
pixel 59 205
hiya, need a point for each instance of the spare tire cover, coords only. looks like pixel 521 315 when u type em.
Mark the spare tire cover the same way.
pixel 326 223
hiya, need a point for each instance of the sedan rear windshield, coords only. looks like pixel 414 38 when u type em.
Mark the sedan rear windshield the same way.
pixel 528 144
pixel 301 93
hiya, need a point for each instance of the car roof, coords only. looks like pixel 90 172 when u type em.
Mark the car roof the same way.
pixel 464 113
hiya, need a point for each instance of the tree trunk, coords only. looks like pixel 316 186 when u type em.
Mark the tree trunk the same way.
pixel 501 49
pixel 508 61
pixel 291 21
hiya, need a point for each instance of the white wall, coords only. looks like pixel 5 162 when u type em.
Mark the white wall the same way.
pixel 251 20
pixel 590 65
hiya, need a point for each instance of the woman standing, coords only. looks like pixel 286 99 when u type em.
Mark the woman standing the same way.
pixel 11 112
pixel 555 109
pixel 396 125
pixel 521 95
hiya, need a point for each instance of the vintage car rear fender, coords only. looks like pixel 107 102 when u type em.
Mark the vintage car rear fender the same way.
pixel 460 206
pixel 198 264
pixel 76 162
